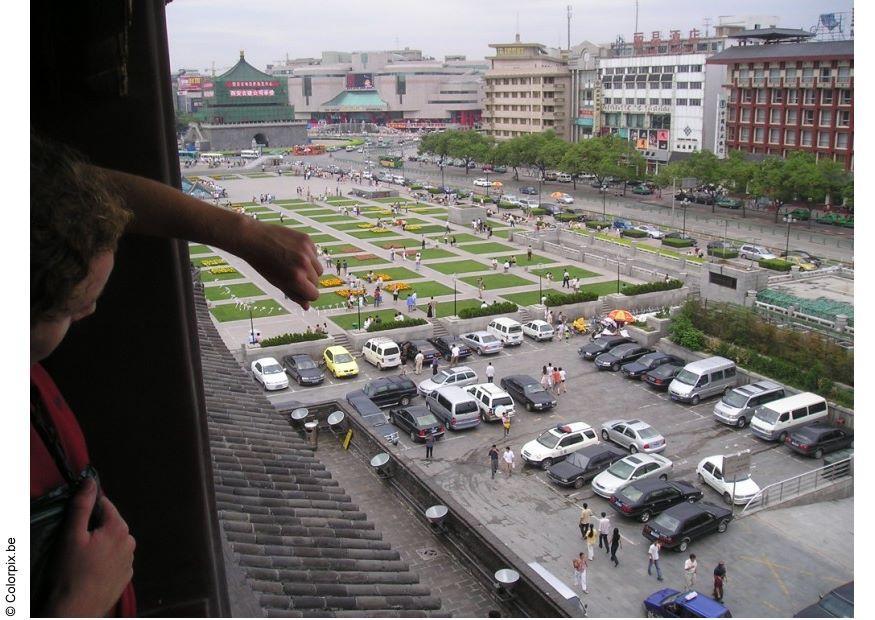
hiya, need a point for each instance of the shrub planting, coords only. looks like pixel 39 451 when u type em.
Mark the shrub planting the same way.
pixel 499 308
pixel 651 287
pixel 290 338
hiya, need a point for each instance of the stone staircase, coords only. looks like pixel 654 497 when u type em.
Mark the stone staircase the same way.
pixel 525 314
pixel 606 307
pixel 342 340
pixel 439 330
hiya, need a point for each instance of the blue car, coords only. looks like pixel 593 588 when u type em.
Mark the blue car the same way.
pixel 669 603
pixel 621 224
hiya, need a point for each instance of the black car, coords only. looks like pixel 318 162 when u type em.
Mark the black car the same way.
pixel 528 189
pixel 387 391
pixel 620 355
pixel 837 603
pixel 445 347
pixel 644 498
pixel 635 370
pixel 418 421
pixel 550 208
pixel 583 465
pixel 303 369
pixel 578 214
pixel 818 438
pixel 372 416
pixel 678 526
pixel 410 348
pixel 598 346
pixel 528 391
pixel 662 375
pixel 721 245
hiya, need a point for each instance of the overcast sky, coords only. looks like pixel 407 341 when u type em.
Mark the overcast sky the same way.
pixel 205 31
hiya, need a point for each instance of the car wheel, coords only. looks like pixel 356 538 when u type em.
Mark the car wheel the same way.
pixel 546 463
pixel 528 406
pixel 727 498
pixel 663 476
pixel 578 484
pixel 645 516
pixel 818 454
pixel 782 437
pixel 726 390
pixel 405 400
pixel 684 544
pixel 721 527
pixel 605 435
pixel 742 422
pixel 413 436
pixel 482 417
pixel 701 477
pixel 695 400
pixel 379 365
pixel 693 499
pixel 615 366
pixel 651 614
pixel 633 448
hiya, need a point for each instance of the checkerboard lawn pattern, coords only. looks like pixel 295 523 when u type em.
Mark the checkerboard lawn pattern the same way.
pixel 230 291
pixel 428 229
pixel 200 260
pixel 459 266
pixel 488 248
pixel 289 201
pixel 427 289
pixel 376 214
pixel 300 206
pixel 343 203
pixel 363 260
pixel 347 226
pixel 396 273
pixel 522 259
pixel 428 211
pixel 503 234
pixel 307 230
pixel 440 217
pixel 390 199
pixel 403 242
pixel 332 218
pixel 573 271
pixel 199 249
pixel 434 253
pixel 350 321
pixel 207 277
pixel 341 248
pixel 368 235
pixel 273 215
pixel 258 209
pixel 460 237
pixel 316 211
pixel 445 308
pixel 260 308
pixel 320 238
pixel 497 280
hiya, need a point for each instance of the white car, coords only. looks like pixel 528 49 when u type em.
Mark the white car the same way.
pixel 492 401
pixel 538 329
pixel 459 376
pixel 629 469
pixel 635 435
pixel 511 199
pixel 755 252
pixel 710 471
pixel 481 183
pixel 527 204
pixel 556 443
pixel 269 373
pixel 565 199
pixel 652 231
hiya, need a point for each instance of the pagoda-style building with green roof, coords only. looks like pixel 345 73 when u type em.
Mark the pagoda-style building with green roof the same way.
pixel 245 107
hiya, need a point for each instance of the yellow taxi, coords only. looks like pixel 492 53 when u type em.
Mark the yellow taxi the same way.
pixel 804 265
pixel 340 362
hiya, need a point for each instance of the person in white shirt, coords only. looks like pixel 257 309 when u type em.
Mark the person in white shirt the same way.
pixel 604 530
pixel 490 373
pixel 653 559
pixel 454 354
pixel 690 567
pixel 418 359
pixel 562 375
pixel 508 461
pixel 495 264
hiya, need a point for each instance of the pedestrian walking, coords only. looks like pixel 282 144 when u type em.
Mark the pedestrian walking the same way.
pixel 557 381
pixel 493 459
pixel 566 277
pixel 615 545
pixel 395 295
pixel 392 254
pixel 490 373
pixel 529 253
pixel 338 266
pixel 418 359
pixel 423 247
pixel 604 530
pixel 719 580
pixel 653 559
pixel 505 422
pixel 562 377
pixel 345 266
pixel 419 260
pixel 585 519
pixel 590 544
pixel 429 445
pixel 546 379
pixel 579 565
pixel 690 568
pixel 508 461
pixel 431 308
pixel 434 366
pixel 454 354
pixel 411 302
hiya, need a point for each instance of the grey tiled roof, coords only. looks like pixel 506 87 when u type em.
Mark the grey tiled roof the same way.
pixel 304 548
pixel 809 49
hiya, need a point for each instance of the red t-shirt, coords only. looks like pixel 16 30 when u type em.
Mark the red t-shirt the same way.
pixel 44 474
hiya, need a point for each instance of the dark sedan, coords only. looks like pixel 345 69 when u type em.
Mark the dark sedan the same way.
pixel 662 375
pixel 303 369
pixel 528 190
pixel 585 464
pixel 410 348
pixel 551 208
pixel 837 603
pixel 620 355
pixel 528 391
pixel 387 391
pixel 819 438
pixel 445 347
pixel 418 421
pixel 644 498
pixel 598 346
pixel 635 370
pixel 678 526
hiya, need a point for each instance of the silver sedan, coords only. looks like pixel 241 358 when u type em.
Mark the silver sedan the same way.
pixel 635 435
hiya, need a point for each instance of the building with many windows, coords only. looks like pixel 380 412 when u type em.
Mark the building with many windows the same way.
pixel 585 119
pixel 785 96
pixel 528 90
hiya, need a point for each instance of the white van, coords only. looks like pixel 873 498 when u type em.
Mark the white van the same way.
pixel 563 177
pixel 349 148
pixel 507 330
pixel 492 400
pixel 250 154
pixel 775 420
pixel 704 378
pixel 382 353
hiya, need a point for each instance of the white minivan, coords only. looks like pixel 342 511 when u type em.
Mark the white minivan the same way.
pixel 507 330
pixel 382 353
pixel 777 419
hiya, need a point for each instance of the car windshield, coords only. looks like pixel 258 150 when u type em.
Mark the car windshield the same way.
pixel 272 369
pixel 305 364
pixel 342 358
pixel 622 470
pixel 647 433
pixel 534 388
pixel 687 377
pixel 769 416
pixel 391 351
pixel 548 439
pixel 666 523
pixel 503 401
pixel 631 493
pixel 735 399
pixel 426 419
pixel 837 606
pixel 740 477
pixel 441 377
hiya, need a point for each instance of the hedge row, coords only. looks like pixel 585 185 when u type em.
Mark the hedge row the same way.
pixel 598 224
pixel 560 299
pixel 290 338
pixel 776 264
pixel 651 287
pixel 633 232
pixel 499 308
pixel 507 205
pixel 539 211
pixel 723 253
pixel 566 217
pixel 677 243
pixel 378 327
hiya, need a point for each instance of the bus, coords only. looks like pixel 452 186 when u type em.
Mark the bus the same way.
pixel 388 161
pixel 187 155
pixel 250 154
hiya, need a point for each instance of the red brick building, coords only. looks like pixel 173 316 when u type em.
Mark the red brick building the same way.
pixel 782 97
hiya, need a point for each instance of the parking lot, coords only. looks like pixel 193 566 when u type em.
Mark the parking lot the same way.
pixel 776 566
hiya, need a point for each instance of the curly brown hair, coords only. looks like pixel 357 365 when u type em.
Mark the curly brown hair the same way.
pixel 75 214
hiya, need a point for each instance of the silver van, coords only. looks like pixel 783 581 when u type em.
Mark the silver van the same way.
pixel 701 379
pixel 453 406
pixel 779 418
pixel 737 407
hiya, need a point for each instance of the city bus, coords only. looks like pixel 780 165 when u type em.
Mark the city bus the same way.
pixel 187 155
pixel 250 154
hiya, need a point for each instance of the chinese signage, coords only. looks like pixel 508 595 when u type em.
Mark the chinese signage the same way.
pixel 253 92
pixel 190 83
pixel 253 84
pixel 720 141
pixel 631 107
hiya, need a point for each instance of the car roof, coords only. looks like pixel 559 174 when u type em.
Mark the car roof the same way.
pixel 479 332
pixel 523 379
pixel 490 388
pixel 571 427
pixel 625 347
pixel 337 349
pixel 664 369
pixel 596 449
pixel 637 424
pixel 301 356
pixel 457 369
pixel 686 510
pixel 702 605
pixel 815 428
pixel 266 360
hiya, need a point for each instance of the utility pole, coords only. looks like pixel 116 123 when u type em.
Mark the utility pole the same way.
pixel 568 8
pixel 636 16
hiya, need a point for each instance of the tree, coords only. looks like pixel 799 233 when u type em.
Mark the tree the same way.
pixel 611 156
pixel 736 171
pixel 705 166
pixel 183 121
pixel 468 146
pixel 508 153
pixel 572 161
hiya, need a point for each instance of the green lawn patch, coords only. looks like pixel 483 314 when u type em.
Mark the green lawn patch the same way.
pixel 347 226
pixel 350 321
pixel 258 175
pixel 316 211
pixel 396 273
pixel 206 276
pixel 429 210
pixel 574 272
pixel 289 201
pixel 459 266
pixel 322 238
pixel 522 259
pixel 258 209
pixel 377 214
pixel 364 260
pixel 488 248
pixel 503 234
pixel 304 229
pixel 333 300
pixel 302 206
pixel 604 288
pixel 403 242
pixel 260 308
pixel 230 291
pixel 460 237
pixel 199 249
pixel 273 215
pixel 199 261
pixel 528 298
pixel 433 253
pixel 497 280
pixel 341 248
pixel 343 203
pixel 428 229
pixel 367 234
pixel 447 308
pixel 441 217
pixel 390 199
pixel 332 218
pixel 427 289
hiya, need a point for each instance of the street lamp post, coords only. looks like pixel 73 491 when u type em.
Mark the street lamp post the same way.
pixel 685 202
pixel 358 307
pixel 789 219
pixel 540 290
pixel 487 184
pixel 618 274
pixel 604 202
pixel 441 165
pixel 455 310
pixel 251 327
pixel 540 182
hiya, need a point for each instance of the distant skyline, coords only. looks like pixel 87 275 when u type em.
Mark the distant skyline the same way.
pixel 202 32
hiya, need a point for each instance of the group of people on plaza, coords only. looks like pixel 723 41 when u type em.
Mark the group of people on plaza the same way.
pixel 553 379
pixel 319 329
